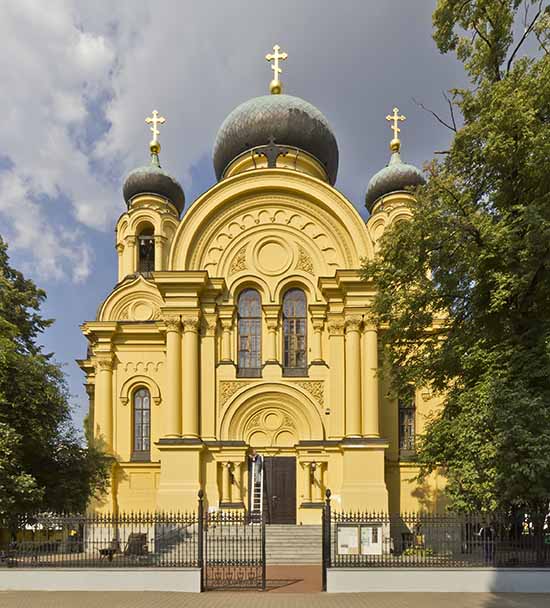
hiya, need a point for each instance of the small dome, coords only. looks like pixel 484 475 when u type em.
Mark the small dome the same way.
pixel 289 120
pixel 152 179
pixel 396 176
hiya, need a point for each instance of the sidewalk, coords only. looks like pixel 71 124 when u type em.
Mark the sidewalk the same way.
pixel 39 599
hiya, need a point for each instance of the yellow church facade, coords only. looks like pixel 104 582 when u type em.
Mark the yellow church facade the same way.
pixel 244 324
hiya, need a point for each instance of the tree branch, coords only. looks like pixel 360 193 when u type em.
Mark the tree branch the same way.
pixel 438 118
pixel 451 109
pixel 526 33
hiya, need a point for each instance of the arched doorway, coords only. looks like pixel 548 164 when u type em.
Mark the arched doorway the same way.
pixel 273 419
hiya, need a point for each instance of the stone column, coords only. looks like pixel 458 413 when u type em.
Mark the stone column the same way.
pixel 237 475
pixel 227 324
pixel 307 481
pixel 318 482
pixel 226 482
pixel 207 376
pixel 318 313
pixel 159 251
pixel 172 411
pixel 120 252
pixel 131 260
pixel 336 362
pixel 190 386
pixel 370 406
pixel 271 312
pixel 103 403
pixel 353 377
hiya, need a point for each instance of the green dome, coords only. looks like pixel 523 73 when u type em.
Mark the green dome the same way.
pixel 396 176
pixel 289 120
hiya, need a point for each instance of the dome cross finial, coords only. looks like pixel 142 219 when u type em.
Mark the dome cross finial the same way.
pixel 395 144
pixel 275 86
pixel 155 120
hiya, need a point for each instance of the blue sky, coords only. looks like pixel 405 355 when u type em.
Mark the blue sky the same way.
pixel 80 77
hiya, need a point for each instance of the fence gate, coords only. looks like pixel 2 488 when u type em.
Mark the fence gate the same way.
pixel 233 552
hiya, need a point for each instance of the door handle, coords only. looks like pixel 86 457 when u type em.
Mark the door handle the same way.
pixel 274 498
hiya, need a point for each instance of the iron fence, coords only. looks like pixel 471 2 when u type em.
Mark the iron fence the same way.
pixel 101 540
pixel 416 540
pixel 227 546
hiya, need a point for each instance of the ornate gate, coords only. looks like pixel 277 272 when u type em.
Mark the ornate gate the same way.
pixel 232 552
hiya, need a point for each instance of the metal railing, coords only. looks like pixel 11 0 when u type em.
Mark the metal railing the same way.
pixel 422 540
pixel 228 546
pixel 101 540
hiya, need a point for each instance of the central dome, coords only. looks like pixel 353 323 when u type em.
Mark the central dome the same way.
pixel 289 120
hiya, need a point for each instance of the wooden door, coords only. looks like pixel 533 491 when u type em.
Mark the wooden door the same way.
pixel 280 489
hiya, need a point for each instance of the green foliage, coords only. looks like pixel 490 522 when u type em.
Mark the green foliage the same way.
pixel 474 264
pixel 43 464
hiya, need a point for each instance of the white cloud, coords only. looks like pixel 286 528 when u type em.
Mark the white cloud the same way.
pixel 193 61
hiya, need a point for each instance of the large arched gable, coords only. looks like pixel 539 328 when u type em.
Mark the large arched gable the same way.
pixel 272 222
pixel 138 300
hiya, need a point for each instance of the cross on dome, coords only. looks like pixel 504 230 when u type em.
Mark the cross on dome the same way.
pixel 275 86
pixel 155 120
pixel 395 144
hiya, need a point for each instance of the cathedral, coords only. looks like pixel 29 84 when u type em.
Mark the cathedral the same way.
pixel 236 353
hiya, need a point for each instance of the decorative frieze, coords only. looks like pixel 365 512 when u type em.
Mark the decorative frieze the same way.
pixel 228 388
pixel 315 388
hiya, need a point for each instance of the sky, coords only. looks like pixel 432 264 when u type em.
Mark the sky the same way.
pixel 80 77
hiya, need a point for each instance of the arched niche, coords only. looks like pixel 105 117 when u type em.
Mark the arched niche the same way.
pixel 281 412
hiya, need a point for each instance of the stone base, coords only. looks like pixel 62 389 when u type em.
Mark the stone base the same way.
pixel 180 475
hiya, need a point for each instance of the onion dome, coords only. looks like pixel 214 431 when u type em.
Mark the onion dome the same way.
pixel 397 175
pixel 276 118
pixel 152 179
pixel 287 120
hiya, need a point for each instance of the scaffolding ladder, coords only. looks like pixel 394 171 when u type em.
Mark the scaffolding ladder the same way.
pixel 257 505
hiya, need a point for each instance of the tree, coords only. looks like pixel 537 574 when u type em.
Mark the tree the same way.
pixel 464 286
pixel 43 463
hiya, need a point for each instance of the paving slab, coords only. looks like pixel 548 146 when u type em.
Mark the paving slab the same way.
pixel 45 599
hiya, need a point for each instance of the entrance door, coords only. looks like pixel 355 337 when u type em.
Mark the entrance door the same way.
pixel 280 489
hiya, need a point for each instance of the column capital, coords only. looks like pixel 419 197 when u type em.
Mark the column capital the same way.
pixel 336 326
pixel 226 322
pixel 172 322
pixel 131 240
pixel 210 324
pixel 104 364
pixel 119 247
pixel 190 324
pixel 353 323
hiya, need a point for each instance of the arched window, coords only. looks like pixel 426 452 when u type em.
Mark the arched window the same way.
pixel 250 333
pixel 146 251
pixel 295 333
pixel 142 425
pixel 407 416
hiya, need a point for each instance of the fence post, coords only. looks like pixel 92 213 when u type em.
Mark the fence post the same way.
pixel 325 526
pixel 200 546
pixel 263 551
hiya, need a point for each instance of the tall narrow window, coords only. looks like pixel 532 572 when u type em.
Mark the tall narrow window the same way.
pixel 295 333
pixel 146 251
pixel 142 425
pixel 250 333
pixel 407 415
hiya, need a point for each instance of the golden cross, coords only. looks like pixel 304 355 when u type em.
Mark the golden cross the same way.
pixel 155 121
pixel 276 57
pixel 395 118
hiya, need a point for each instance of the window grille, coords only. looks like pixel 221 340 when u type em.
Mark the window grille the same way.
pixel 295 333
pixel 250 333
pixel 407 415
pixel 142 425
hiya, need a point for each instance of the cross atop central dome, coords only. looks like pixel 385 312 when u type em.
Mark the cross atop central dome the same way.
pixel 289 122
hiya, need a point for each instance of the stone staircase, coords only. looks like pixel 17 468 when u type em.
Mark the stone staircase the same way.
pixel 288 544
